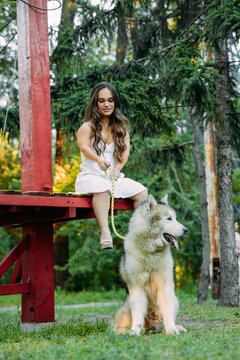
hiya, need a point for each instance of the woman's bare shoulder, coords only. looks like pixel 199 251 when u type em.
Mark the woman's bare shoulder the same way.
pixel 127 137
pixel 85 128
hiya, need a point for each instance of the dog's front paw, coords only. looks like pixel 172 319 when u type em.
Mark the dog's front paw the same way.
pixel 136 330
pixel 175 330
pixel 180 328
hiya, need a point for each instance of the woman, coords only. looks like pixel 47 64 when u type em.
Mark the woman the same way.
pixel 104 142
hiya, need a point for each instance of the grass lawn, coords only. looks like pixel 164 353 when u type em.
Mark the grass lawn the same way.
pixel 213 332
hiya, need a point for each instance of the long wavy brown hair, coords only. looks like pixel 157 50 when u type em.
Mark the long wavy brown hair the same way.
pixel 118 122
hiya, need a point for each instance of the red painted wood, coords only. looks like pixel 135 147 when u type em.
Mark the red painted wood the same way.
pixel 14 289
pixel 34 97
pixel 54 201
pixel 17 272
pixel 37 266
pixel 14 254
pixel 31 215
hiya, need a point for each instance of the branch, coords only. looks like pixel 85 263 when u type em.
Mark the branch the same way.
pixel 176 146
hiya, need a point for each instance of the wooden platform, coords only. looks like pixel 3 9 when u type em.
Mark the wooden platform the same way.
pixel 33 274
pixel 17 208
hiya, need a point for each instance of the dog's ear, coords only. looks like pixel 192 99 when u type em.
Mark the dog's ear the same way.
pixel 164 200
pixel 151 202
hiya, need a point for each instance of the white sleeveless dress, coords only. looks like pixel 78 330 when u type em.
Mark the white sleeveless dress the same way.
pixel 92 179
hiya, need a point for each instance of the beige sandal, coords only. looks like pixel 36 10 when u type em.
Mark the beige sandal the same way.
pixel 106 241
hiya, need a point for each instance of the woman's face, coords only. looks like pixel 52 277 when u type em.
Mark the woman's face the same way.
pixel 105 102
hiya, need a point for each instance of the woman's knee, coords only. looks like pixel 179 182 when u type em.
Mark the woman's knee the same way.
pixel 139 198
pixel 104 195
pixel 142 196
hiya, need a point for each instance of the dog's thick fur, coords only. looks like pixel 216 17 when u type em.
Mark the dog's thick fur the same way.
pixel 147 269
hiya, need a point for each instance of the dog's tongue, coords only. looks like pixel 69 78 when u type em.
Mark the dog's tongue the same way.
pixel 175 243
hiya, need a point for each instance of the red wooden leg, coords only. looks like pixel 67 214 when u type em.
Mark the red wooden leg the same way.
pixel 37 264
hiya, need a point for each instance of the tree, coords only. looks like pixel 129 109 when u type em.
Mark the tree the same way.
pixel 228 260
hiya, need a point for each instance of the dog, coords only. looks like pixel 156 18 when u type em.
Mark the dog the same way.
pixel 146 267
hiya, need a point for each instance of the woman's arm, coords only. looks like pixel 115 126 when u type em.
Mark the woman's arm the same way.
pixel 118 167
pixel 83 141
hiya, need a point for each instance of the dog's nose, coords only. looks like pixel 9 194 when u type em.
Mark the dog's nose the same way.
pixel 185 230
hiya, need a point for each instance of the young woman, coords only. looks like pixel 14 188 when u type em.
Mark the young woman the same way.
pixel 104 142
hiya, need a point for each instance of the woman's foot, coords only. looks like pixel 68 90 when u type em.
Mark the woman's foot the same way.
pixel 106 241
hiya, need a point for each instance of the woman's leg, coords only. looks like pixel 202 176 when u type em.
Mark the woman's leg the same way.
pixel 101 205
pixel 140 197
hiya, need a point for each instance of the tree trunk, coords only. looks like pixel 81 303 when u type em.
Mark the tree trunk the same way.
pixel 60 242
pixel 228 259
pixel 204 274
pixel 122 39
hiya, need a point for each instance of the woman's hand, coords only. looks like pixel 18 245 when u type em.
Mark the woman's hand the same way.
pixel 116 173
pixel 103 164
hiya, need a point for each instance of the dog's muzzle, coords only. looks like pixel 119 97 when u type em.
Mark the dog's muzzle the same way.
pixel 172 240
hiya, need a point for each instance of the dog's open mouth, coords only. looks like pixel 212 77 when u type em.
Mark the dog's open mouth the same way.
pixel 171 240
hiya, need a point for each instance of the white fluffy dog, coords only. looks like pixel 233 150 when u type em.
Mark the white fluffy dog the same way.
pixel 147 270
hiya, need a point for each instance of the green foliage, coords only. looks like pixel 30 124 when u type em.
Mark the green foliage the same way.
pixel 8 54
pixel 224 16
pixel 96 24
pixel 12 124
pixel 89 267
pixel 10 165
pixel 135 88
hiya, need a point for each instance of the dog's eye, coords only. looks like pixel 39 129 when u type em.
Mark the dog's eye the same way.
pixel 169 218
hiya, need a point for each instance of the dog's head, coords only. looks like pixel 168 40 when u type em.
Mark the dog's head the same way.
pixel 162 223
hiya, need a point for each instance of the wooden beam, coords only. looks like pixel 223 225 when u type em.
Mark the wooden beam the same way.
pixel 34 97
pixel 55 201
pixel 14 289
pixel 37 265
pixel 32 215
pixel 14 254
pixel 17 272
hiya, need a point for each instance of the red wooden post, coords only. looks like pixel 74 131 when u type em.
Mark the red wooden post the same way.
pixel 36 157
pixel 34 97
pixel 38 305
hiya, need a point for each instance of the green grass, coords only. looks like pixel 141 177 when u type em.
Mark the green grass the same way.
pixel 70 298
pixel 213 333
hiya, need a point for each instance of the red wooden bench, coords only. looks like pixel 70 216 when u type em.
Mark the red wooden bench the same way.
pixel 35 209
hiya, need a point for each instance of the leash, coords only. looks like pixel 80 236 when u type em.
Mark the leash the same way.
pixel 112 203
